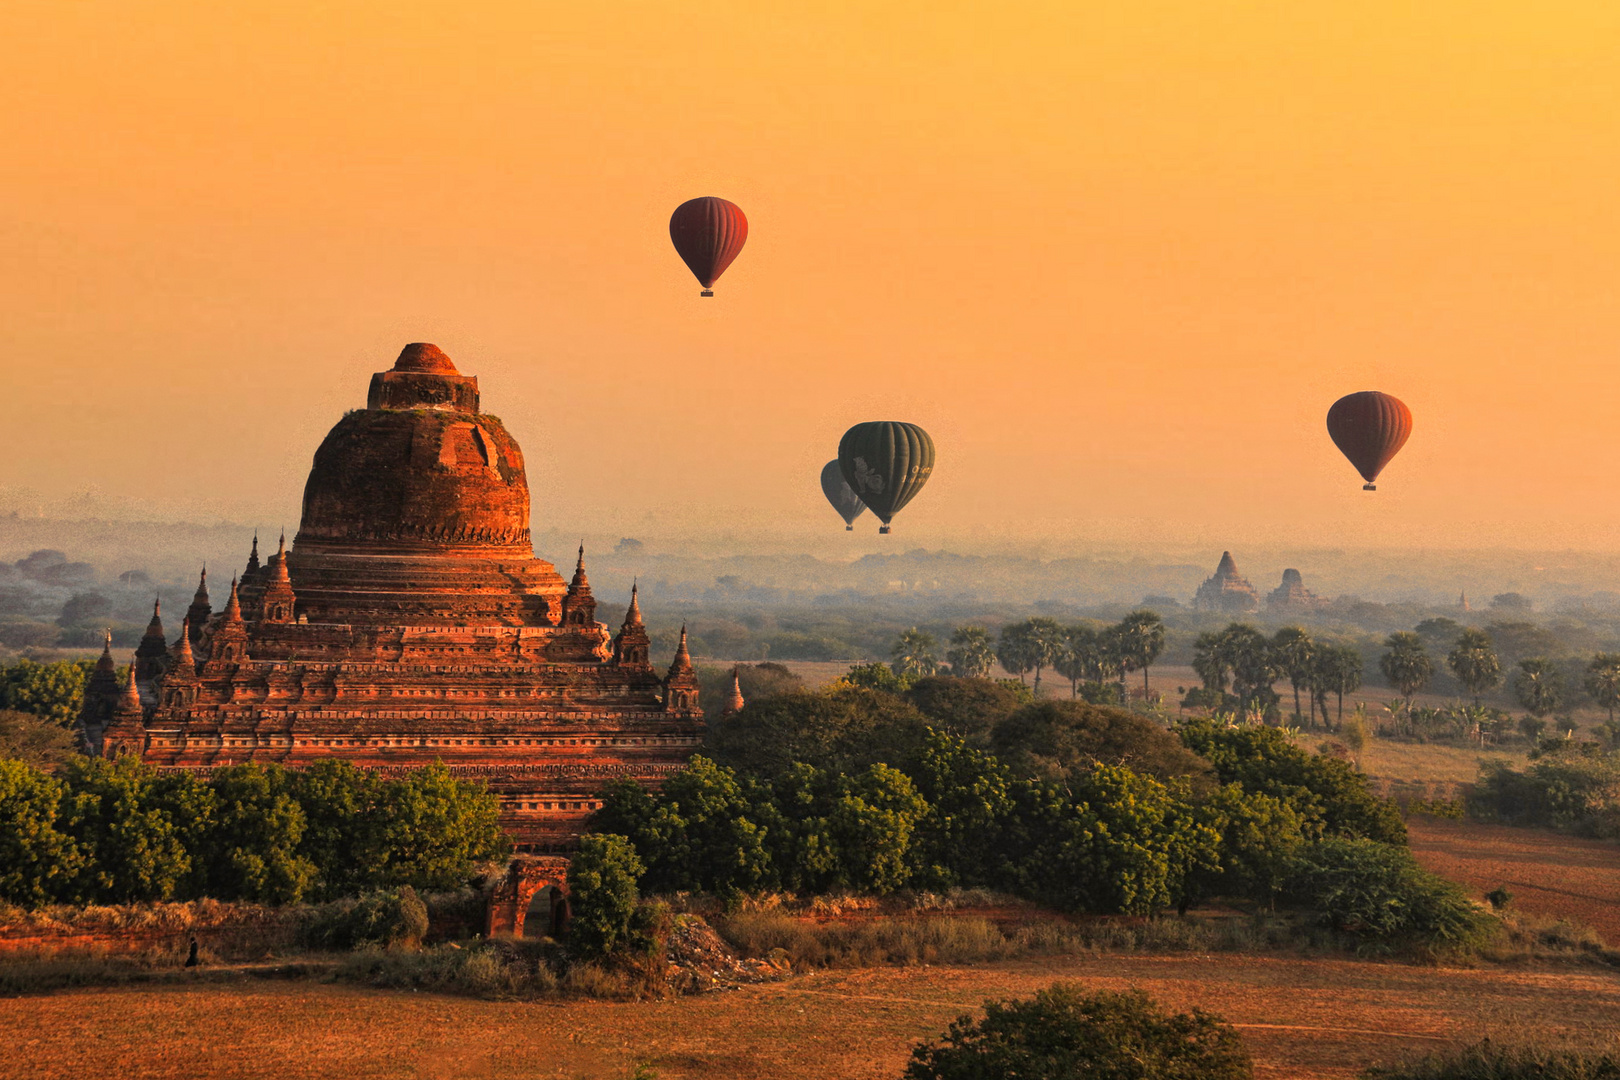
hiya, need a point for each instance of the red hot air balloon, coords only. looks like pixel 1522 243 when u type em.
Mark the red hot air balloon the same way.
pixel 1369 428
pixel 708 233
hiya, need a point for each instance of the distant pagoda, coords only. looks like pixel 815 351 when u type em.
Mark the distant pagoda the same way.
pixel 409 622
pixel 1292 595
pixel 1227 590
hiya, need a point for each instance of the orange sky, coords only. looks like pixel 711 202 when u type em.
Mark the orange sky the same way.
pixel 1118 258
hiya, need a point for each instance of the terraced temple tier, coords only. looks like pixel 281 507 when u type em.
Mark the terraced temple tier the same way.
pixel 410 622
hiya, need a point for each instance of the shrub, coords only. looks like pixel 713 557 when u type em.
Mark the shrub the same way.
pixel 36 860
pixel 1576 789
pixel 1381 894
pixel 1490 1061
pixel 394 918
pixel 603 891
pixel 1064 1032
pixel 1058 740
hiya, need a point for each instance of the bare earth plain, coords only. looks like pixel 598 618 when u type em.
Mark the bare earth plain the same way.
pixel 1300 1017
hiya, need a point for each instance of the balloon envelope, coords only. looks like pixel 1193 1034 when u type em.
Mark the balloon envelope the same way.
pixel 886 463
pixel 1369 428
pixel 708 233
pixel 846 502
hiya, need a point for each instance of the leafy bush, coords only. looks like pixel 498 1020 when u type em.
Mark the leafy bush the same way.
pixel 1577 789
pixel 393 918
pixel 845 728
pixel 1064 1032
pixel 1329 794
pixel 36 859
pixel 1491 1061
pixel 1061 739
pixel 1380 893
pixel 602 887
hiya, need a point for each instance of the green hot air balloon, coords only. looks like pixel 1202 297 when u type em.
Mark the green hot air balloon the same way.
pixel 846 502
pixel 886 463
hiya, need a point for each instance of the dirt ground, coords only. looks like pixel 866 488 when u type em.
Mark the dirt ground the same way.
pixel 1547 873
pixel 1301 1019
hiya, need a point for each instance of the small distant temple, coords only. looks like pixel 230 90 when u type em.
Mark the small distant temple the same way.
pixel 1227 591
pixel 410 622
pixel 1292 595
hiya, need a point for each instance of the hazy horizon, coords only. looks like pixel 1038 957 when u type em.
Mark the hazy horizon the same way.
pixel 1118 261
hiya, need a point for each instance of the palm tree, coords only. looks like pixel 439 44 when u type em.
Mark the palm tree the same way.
pixel 1539 686
pixel 1337 670
pixel 971 653
pixel 1077 659
pixel 1406 665
pixel 1474 662
pixel 1046 638
pixel 912 656
pixel 1141 641
pixel 1015 649
pixel 1210 663
pixel 1253 668
pixel 1603 681
pixel 1295 654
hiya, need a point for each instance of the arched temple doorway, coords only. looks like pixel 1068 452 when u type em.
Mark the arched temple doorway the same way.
pixel 533 885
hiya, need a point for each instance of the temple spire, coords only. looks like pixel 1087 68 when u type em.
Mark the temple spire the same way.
pixel 579 606
pixel 181 654
pixel 130 700
pixel 681 685
pixel 734 700
pixel 198 613
pixel 276 606
pixel 233 606
pixel 253 556
pixel 632 647
pixel 106 662
pixel 153 651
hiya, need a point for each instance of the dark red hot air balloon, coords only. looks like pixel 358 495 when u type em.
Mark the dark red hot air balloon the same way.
pixel 1369 428
pixel 708 233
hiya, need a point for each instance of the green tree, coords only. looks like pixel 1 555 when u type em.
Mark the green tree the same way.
pixel 37 861
pixel 912 656
pixel 339 803
pixel 42 744
pixel 430 830
pixel 1211 662
pixel 1061 740
pixel 1261 836
pixel 53 691
pixel 844 728
pixel 1254 670
pixel 1295 655
pixel 1078 658
pixel 1474 662
pixel 1539 686
pixel 1380 892
pixel 972 654
pixel 1330 795
pixel 603 894
pixel 1603 681
pixel 1045 638
pixel 1066 1032
pixel 1141 639
pixel 1336 670
pixel 874 676
pixel 706 830
pixel 968 708
pixel 970 805
pixel 1016 649
pixel 252 849
pixel 133 849
pixel 1406 664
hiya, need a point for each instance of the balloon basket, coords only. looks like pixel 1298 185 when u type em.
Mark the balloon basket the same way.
pixel 1369 487
pixel 849 528
pixel 706 292
pixel 883 529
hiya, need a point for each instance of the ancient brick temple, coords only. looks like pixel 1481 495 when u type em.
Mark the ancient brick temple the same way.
pixel 410 622
pixel 1227 590
pixel 1292 597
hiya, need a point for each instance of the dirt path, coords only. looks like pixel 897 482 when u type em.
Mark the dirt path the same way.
pixel 1301 1019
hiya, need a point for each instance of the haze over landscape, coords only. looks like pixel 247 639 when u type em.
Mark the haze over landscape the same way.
pixel 1117 261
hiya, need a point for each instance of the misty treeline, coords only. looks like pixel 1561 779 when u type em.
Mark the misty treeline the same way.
pixel 100 831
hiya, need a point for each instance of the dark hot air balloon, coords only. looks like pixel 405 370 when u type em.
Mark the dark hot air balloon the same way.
pixel 886 463
pixel 846 502
pixel 708 233
pixel 1369 428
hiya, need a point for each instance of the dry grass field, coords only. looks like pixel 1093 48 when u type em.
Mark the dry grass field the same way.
pixel 1547 873
pixel 1301 1018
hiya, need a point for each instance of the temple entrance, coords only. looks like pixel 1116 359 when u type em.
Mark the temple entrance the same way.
pixel 533 887
pixel 547 914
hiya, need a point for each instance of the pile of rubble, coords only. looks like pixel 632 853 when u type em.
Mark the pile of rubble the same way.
pixel 698 961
